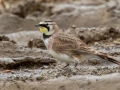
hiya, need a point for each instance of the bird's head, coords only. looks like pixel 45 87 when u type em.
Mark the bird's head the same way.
pixel 47 27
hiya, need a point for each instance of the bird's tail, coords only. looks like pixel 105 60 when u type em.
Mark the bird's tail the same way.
pixel 109 59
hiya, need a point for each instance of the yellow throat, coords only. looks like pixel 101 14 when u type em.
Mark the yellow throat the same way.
pixel 43 30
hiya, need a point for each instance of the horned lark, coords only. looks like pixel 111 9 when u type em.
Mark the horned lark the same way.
pixel 66 47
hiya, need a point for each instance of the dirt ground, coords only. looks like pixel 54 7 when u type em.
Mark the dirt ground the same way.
pixel 25 64
pixel 28 75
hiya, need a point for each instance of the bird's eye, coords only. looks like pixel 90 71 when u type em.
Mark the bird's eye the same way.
pixel 47 24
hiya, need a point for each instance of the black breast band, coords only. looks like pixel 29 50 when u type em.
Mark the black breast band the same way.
pixel 46 36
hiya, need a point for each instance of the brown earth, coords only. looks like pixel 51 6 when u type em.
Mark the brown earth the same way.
pixel 25 63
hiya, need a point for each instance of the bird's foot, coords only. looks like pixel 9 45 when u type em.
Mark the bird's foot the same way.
pixel 66 66
pixel 76 66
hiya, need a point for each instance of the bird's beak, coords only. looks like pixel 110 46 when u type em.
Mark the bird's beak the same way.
pixel 37 25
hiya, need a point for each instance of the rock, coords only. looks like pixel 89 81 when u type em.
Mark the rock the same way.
pixel 80 13
pixel 11 62
pixel 4 38
pixel 38 43
pixel 34 16
pixel 21 7
pixel 9 22
pixel 12 23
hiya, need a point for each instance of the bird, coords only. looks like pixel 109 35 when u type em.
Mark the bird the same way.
pixel 66 47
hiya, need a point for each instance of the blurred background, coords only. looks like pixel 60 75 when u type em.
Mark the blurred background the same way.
pixel 20 15
pixel 96 22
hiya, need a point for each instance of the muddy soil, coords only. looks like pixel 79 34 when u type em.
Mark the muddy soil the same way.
pixel 18 70
pixel 25 63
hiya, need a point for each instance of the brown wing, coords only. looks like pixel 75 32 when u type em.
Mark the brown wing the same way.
pixel 68 44
pixel 73 46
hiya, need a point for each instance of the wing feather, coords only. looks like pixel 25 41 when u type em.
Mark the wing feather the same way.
pixel 66 43
pixel 73 46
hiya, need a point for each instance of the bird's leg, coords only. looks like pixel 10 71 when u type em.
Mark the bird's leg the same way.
pixel 76 66
pixel 66 65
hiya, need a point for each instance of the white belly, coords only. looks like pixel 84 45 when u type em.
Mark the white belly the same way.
pixel 46 42
pixel 61 57
pixel 64 57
